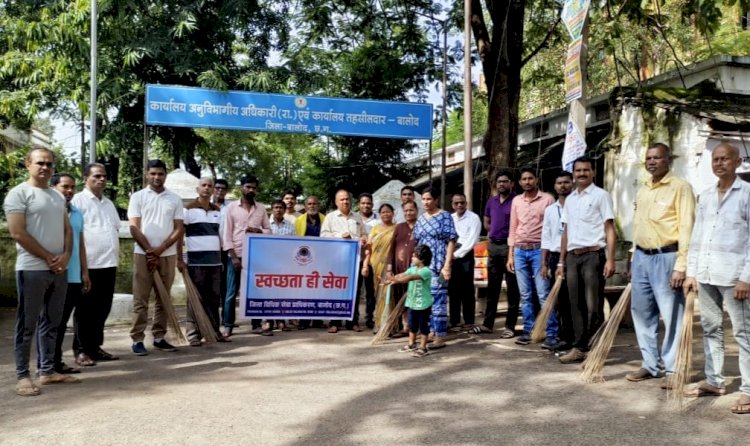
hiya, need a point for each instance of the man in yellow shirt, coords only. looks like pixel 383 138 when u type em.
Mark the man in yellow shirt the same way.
pixel 662 225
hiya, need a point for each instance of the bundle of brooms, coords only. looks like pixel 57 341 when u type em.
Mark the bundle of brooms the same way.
pixel 684 359
pixel 539 333
pixel 603 340
pixel 166 303
pixel 195 301
pixel 385 329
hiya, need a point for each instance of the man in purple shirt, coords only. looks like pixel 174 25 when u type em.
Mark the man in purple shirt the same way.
pixel 497 223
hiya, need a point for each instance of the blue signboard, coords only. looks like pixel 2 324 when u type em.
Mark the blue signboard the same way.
pixel 298 277
pixel 242 110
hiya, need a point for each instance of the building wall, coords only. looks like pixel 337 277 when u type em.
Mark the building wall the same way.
pixel 691 142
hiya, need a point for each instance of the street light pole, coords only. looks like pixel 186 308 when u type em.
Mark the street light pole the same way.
pixel 92 134
pixel 445 114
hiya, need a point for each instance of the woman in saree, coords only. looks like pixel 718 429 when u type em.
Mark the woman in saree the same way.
pixel 377 253
pixel 435 229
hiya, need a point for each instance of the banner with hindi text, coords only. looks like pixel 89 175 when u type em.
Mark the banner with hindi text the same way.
pixel 298 277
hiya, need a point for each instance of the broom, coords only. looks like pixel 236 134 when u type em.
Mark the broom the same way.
pixel 385 329
pixel 205 327
pixel 684 359
pixel 605 337
pixel 539 333
pixel 166 303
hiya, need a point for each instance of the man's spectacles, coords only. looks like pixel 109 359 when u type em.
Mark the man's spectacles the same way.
pixel 45 164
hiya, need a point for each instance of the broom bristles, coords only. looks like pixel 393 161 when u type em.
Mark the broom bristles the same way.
pixel 594 362
pixel 166 303
pixel 539 332
pixel 204 323
pixel 385 330
pixel 684 359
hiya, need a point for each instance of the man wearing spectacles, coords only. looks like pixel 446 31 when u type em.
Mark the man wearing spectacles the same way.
pixel 38 222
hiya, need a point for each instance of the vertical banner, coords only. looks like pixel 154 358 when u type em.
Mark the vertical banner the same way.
pixel 573 76
pixel 298 277
pixel 574 15
pixel 575 146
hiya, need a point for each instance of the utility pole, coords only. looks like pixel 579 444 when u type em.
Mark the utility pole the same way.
pixel 445 114
pixel 92 130
pixel 468 162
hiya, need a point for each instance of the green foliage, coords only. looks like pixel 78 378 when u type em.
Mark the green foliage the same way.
pixel 455 129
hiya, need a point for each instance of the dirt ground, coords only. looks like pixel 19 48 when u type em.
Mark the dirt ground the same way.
pixel 310 387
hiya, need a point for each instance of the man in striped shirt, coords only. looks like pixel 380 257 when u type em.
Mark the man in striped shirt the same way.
pixel 202 220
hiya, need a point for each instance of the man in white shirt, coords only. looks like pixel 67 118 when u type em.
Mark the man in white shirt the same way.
pixel 552 230
pixel 290 201
pixel 343 223
pixel 461 285
pixel 719 269
pixel 101 226
pixel 589 228
pixel 155 215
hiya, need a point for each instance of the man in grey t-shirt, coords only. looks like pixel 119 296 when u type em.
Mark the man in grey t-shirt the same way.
pixel 38 222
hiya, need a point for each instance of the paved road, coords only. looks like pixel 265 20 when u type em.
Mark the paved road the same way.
pixel 311 387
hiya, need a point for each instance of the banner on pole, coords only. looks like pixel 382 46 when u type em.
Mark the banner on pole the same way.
pixel 298 277
pixel 242 110
pixel 574 14
pixel 575 146
pixel 573 76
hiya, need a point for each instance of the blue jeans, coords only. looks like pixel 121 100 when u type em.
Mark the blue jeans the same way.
pixel 653 295
pixel 528 265
pixel 712 319
pixel 230 299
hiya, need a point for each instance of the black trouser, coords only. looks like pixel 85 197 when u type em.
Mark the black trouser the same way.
pixel 585 276
pixel 93 310
pixel 461 290
pixel 497 270
pixel 370 299
pixel 207 280
pixel 563 301
pixel 223 284
pixel 72 298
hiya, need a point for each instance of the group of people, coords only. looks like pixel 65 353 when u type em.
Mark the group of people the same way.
pixel 68 250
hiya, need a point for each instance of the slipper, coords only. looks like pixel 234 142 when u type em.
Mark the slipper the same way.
pixel 479 329
pixel 266 332
pixel 704 389
pixel 101 355
pixel 333 329
pixel 420 353
pixel 742 406
pixel 26 387
pixel 408 348
pixel 507 334
pixel 356 329
pixel 57 378
pixel 65 369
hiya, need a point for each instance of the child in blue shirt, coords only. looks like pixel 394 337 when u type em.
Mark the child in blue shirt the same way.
pixel 418 299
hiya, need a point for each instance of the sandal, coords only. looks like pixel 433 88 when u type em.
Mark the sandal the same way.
pixel 101 355
pixel 408 348
pixel 84 360
pixel 26 387
pixel 742 406
pixel 333 329
pixel 704 389
pixel 65 369
pixel 356 329
pixel 479 329
pixel 508 334
pixel 420 353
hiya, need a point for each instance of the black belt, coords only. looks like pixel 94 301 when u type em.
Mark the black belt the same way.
pixel 499 241
pixel 663 250
pixel 528 246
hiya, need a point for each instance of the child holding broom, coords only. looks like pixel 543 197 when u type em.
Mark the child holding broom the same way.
pixel 418 299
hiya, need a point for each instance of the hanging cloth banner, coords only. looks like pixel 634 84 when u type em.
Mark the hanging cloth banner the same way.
pixel 575 146
pixel 178 106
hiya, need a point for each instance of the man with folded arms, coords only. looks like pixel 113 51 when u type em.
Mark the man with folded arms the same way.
pixel 662 224
pixel 589 228
pixel 719 269
pixel 38 222
pixel 525 254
